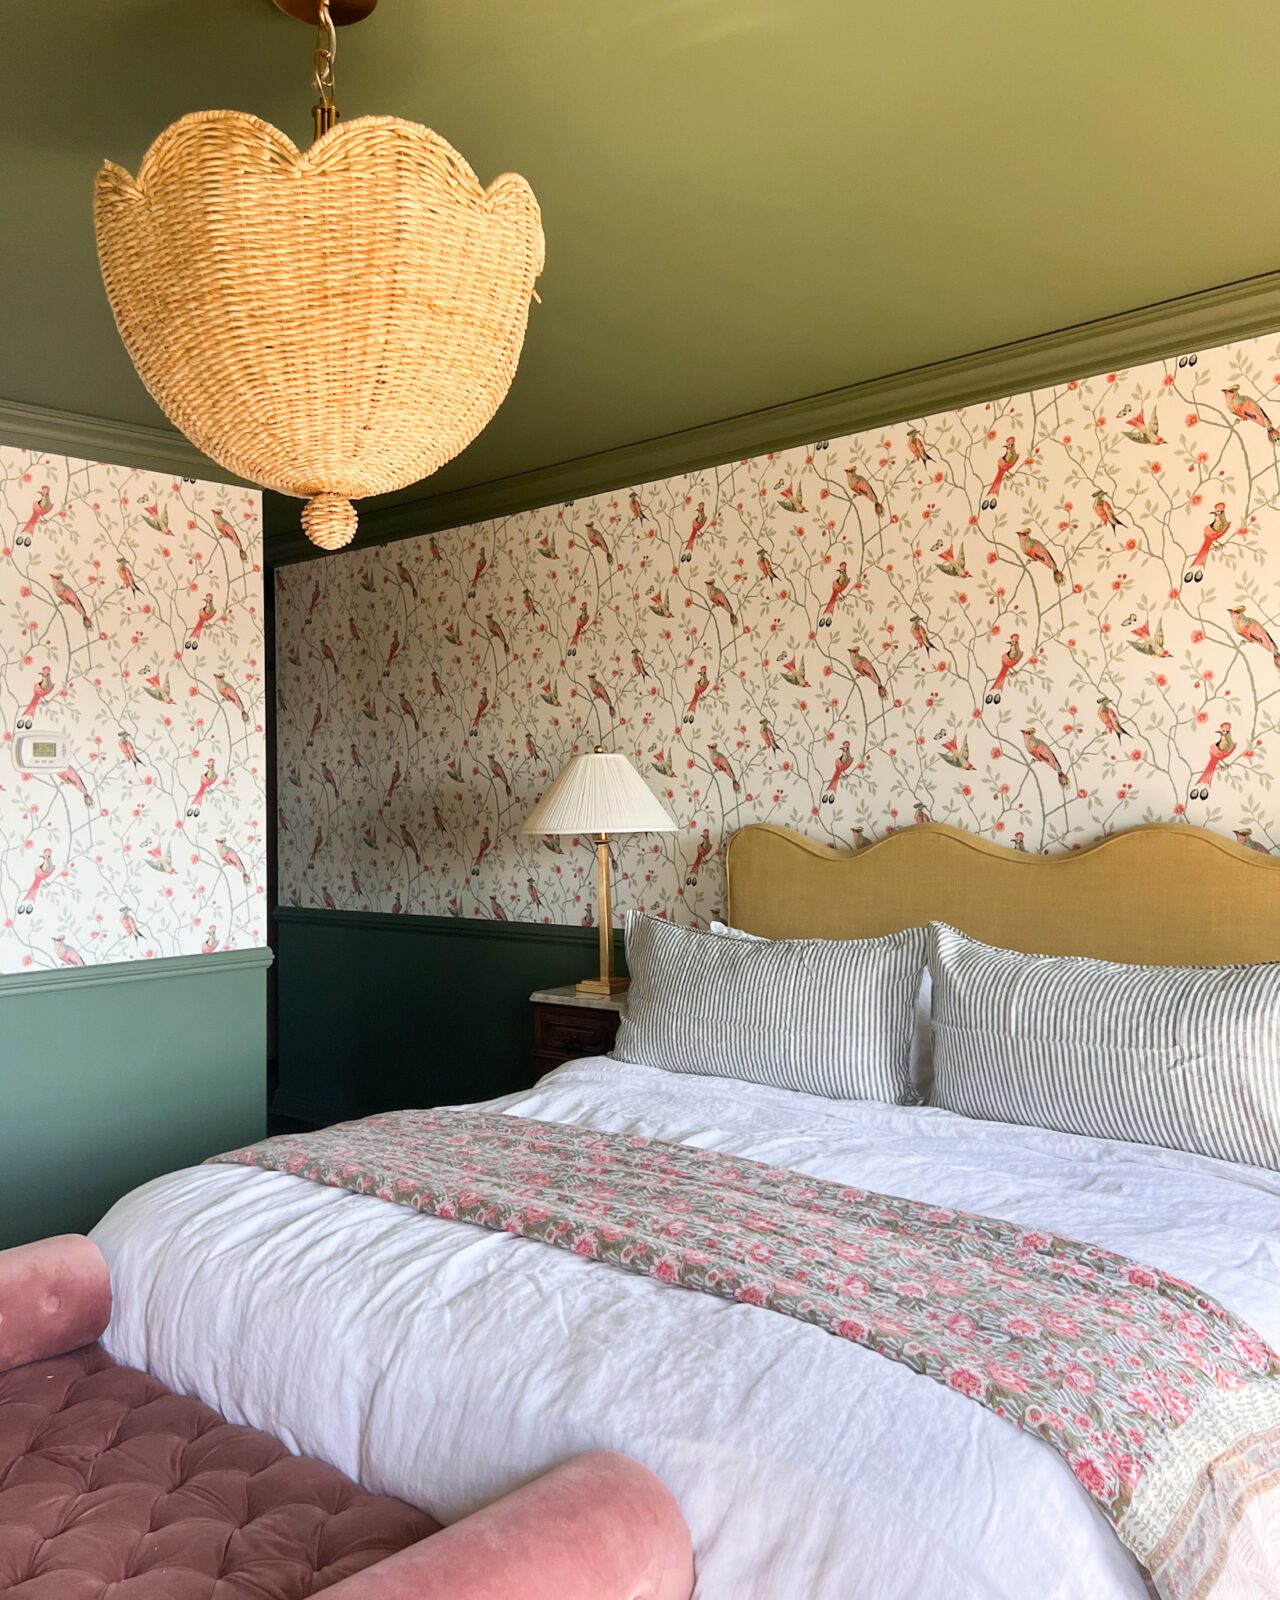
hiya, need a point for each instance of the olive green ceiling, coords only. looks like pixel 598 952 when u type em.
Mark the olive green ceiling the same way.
pixel 745 201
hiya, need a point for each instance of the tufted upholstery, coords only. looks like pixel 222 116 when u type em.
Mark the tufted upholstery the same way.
pixel 113 1488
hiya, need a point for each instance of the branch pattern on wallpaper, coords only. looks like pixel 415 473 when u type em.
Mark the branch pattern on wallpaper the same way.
pixel 130 627
pixel 1039 619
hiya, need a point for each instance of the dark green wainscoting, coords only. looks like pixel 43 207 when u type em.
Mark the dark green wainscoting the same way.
pixel 380 1011
pixel 112 1075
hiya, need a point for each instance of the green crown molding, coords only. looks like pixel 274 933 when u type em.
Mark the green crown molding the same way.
pixel 128 444
pixel 443 927
pixel 63 978
pixel 1238 310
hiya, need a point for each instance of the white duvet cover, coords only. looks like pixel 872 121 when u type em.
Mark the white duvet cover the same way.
pixel 446 1364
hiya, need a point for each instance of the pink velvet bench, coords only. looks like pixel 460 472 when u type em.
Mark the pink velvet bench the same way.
pixel 112 1487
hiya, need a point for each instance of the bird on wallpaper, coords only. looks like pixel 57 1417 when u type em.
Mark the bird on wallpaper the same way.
pixel 600 692
pixel 207 780
pixel 1020 842
pixel 701 684
pixel 499 772
pixel 294 776
pixel 662 765
pixel 1148 643
pixel 43 872
pixel 866 668
pixel 396 776
pixel 952 564
pixel 497 909
pixel 406 579
pixel 326 654
pixel 1004 466
pixel 699 523
pixel 158 688
pixel 73 780
pixel 598 542
pixel 1104 510
pixel 955 752
pixel 316 845
pixel 1038 750
pixel 208 611
pixel 794 674
pixel 767 736
pixel 1139 431
pixel 1244 836
pixel 659 606
pixel 920 634
pixel 126 575
pixel 40 509
pixel 704 849
pixel 231 695
pixel 392 652
pixel 547 545
pixel 410 843
pixel 68 597
pixel 496 632
pixel 438 822
pixel 327 777
pixel 355 756
pixel 353 631
pixel 477 575
pixel 553 844
pixel 129 750
pixel 859 486
pixel 159 860
pixel 210 945
pixel 1109 717
pixel 129 924
pixel 406 706
pixel 366 580
pixel 229 858
pixel 1250 631
pixel 65 954
pixel 718 597
pixel 529 603
pixel 531 747
pixel 860 840
pixel 549 694
pixel 839 584
pixel 312 603
pixel 583 623
pixel 42 691
pixel 1217 529
pixel 227 532
pixel 293 656
pixel 721 764
pixel 369 709
pixel 318 719
pixel 1249 411
pixel 1223 747
pixel 843 762
pixel 1035 550
pixel 156 519
pixel 482 705
pixel 915 443
pixel 921 814
pixel 1008 661
pixel 637 663
pixel 789 500
pixel 486 844
pixel 434 548
pixel 767 568
pixel 535 899
pixel 330 904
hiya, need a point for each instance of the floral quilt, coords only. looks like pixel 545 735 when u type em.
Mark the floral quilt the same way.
pixel 1165 1406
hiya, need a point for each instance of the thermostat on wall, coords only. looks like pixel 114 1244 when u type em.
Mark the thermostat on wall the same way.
pixel 39 752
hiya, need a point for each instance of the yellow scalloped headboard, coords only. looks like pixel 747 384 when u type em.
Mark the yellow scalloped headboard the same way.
pixel 1164 894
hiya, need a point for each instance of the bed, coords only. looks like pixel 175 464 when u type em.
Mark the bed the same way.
pixel 445 1364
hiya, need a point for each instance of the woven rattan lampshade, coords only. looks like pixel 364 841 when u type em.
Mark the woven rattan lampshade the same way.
pixel 332 323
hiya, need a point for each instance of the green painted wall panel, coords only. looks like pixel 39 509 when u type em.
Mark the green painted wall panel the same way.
pixel 105 1084
pixel 380 1011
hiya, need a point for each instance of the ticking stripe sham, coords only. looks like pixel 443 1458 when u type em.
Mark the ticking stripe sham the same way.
pixel 1187 1058
pixel 830 1017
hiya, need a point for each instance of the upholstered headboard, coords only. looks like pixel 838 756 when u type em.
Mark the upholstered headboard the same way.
pixel 1164 894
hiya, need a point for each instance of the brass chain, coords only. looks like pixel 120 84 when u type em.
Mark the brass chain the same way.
pixel 326 55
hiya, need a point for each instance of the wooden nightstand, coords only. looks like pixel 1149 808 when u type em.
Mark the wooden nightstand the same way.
pixel 567 1024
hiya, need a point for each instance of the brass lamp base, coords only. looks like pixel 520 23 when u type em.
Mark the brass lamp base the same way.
pixel 610 985
pixel 342 11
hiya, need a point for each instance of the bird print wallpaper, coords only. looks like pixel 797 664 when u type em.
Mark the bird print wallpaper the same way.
pixel 1040 619
pixel 133 771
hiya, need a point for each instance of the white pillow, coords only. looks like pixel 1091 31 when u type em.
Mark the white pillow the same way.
pixel 922 1041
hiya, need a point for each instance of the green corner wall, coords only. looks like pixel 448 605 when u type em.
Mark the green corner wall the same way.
pixel 379 1011
pixel 110 1076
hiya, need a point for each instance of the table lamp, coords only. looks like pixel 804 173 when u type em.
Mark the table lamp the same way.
pixel 601 794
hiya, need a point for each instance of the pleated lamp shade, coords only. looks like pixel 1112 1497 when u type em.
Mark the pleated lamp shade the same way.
pixel 600 793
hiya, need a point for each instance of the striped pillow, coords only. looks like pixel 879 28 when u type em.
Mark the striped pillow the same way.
pixel 1183 1057
pixel 824 1016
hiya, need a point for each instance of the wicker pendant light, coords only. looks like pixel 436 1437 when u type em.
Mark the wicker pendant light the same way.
pixel 332 323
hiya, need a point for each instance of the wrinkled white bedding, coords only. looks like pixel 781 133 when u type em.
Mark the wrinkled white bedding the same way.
pixel 446 1364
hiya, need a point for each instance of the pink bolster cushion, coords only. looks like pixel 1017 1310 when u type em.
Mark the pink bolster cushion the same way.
pixel 55 1295
pixel 599 1527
